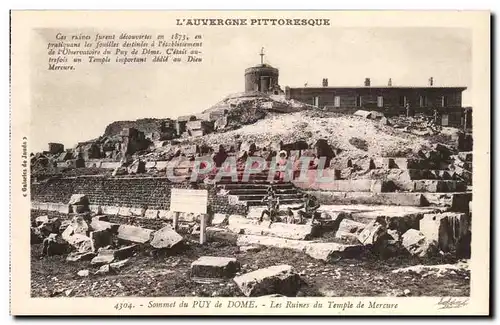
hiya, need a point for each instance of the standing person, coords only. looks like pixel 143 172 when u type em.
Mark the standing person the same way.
pixel 272 205
pixel 282 162
pixel 310 206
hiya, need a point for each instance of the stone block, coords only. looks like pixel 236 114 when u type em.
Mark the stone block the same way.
pixel 405 163
pixel 78 257
pixel 54 245
pixel 219 219
pixel 166 214
pixel 125 252
pixel 347 237
pixel 35 205
pixel 447 229
pixel 101 223
pixel 43 206
pixel 101 238
pixel 79 208
pixel 79 199
pixel 350 226
pixel 214 267
pixel 134 234
pixel 124 212
pixel 41 220
pixel 105 256
pixel 417 244
pixel 94 208
pixel 278 229
pixel 151 214
pixel 166 237
pixel 297 245
pixel 53 207
pixel 137 212
pixel 110 210
pixel 372 233
pixel 116 266
pixel 77 225
pixel 278 279
pixel 291 231
pixel 249 249
pixel 51 226
pixel 64 209
pixel 82 243
pixel 332 251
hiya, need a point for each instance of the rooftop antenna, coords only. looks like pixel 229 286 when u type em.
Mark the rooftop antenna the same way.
pixel 261 56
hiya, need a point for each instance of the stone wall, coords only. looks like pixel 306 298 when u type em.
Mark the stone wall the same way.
pixel 139 192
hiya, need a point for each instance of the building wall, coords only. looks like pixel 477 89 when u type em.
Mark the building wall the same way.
pixel 139 192
pixel 261 78
pixel 393 99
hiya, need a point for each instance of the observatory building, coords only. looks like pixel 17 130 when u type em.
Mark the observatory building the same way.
pixel 262 78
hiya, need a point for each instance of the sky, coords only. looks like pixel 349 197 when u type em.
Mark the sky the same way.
pixel 72 106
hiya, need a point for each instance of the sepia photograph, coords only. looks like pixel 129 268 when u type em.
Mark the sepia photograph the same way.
pixel 252 155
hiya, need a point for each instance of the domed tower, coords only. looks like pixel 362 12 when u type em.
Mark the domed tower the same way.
pixel 263 77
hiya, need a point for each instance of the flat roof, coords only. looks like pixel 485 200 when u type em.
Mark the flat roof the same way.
pixel 383 87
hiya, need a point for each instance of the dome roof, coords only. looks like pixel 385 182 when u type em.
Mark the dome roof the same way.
pixel 263 66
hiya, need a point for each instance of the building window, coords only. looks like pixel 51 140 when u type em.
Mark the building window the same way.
pixel 402 100
pixel 444 101
pixel 336 101
pixel 444 120
pixel 358 101
pixel 423 101
pixel 380 101
pixel 316 101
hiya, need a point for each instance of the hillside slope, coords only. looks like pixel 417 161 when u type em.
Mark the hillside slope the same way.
pixel 345 132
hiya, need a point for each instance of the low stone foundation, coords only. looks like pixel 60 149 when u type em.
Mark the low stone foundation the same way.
pixel 131 194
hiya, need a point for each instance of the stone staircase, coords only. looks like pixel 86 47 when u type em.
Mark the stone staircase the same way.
pixel 251 191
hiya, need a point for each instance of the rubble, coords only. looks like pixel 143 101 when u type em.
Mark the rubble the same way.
pixel 278 279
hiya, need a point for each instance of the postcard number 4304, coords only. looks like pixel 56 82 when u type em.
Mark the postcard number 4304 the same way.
pixel 123 305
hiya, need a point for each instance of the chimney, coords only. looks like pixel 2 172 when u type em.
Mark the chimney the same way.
pixel 325 82
pixel 389 83
pixel 431 81
pixel 367 82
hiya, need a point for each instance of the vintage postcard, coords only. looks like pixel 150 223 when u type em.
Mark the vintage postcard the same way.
pixel 250 162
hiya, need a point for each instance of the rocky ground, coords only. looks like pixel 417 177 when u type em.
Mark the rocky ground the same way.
pixel 144 275
pixel 340 130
